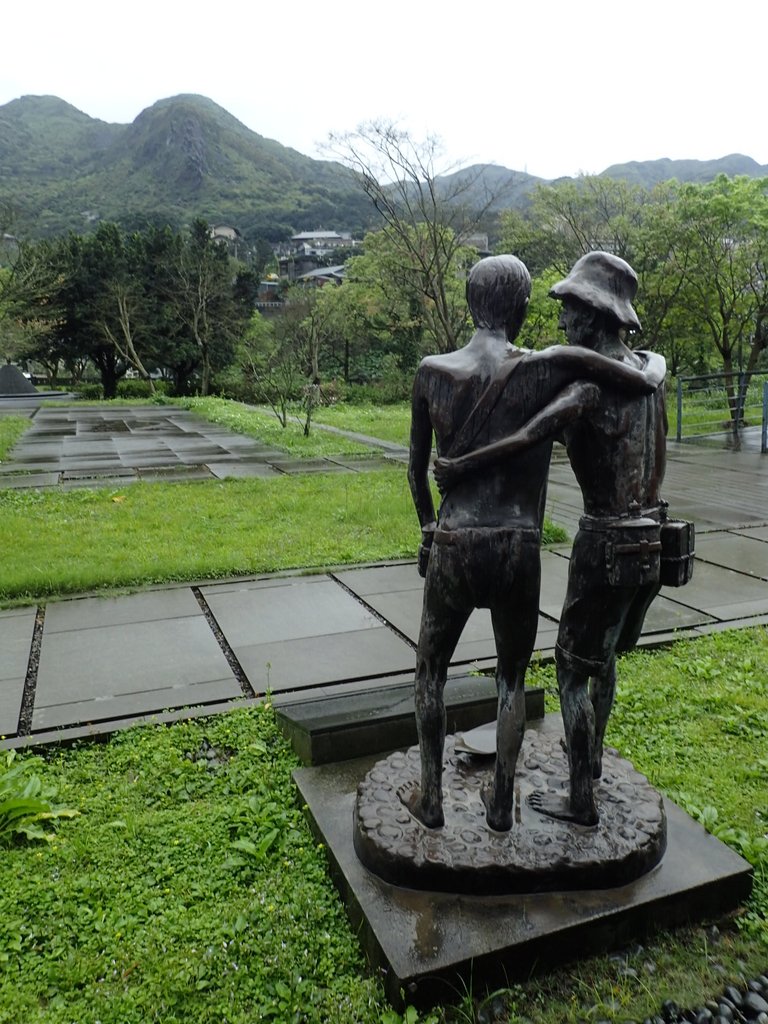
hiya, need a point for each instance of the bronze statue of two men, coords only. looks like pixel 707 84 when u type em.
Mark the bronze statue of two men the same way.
pixel 494 410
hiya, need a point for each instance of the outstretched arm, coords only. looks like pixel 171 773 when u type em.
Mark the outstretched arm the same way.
pixel 565 408
pixel 418 468
pixel 578 362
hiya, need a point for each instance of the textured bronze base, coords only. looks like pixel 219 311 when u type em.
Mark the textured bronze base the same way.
pixel 538 854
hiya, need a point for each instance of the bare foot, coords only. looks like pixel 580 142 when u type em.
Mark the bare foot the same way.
pixel 411 796
pixel 559 807
pixel 498 820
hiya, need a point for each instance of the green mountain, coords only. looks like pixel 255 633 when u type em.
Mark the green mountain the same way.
pixel 651 172
pixel 181 158
pixel 187 157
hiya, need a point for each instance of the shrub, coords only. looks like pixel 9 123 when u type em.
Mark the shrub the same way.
pixel 90 392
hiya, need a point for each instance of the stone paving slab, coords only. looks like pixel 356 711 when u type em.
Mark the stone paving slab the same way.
pixel 381 579
pixel 667 614
pixel 755 532
pixel 269 615
pixel 11 696
pixel 29 480
pixel 262 583
pixel 723 593
pixel 16 629
pixel 97 473
pixel 743 552
pixel 100 709
pixel 296 466
pixel 242 470
pixel 176 473
pixel 95 612
pixel 362 462
pixel 131 661
pixel 318 660
pixel 97 480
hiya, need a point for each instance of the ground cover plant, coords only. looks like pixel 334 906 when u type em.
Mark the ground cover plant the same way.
pixel 63 542
pixel 11 429
pixel 263 425
pixel 189 889
pixel 389 422
pixel 58 542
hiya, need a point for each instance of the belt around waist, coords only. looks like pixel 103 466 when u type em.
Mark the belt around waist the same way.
pixel 602 524
pixel 442 536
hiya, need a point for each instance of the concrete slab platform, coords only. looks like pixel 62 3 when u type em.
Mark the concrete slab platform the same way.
pixel 162 698
pixel 94 480
pixel 11 697
pixel 96 612
pixel 29 480
pixel 16 631
pixel 382 579
pixel 309 466
pixel 241 470
pixel 129 660
pixel 318 660
pixel 754 532
pixel 740 552
pixel 723 593
pixel 176 473
pixel 270 615
pixel 427 944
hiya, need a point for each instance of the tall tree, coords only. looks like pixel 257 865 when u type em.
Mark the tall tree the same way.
pixel 426 221
pixel 202 291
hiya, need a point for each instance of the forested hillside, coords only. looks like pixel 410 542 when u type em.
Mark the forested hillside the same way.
pixel 186 157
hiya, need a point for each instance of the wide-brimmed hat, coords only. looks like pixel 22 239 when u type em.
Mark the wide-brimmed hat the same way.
pixel 604 282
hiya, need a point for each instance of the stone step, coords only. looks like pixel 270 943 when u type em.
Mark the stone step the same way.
pixel 341 727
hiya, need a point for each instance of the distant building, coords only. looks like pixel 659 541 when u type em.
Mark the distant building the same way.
pixel 323 275
pixel 320 243
pixel 224 233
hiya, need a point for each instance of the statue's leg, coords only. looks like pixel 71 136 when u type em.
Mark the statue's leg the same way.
pixel 514 626
pixel 579 723
pixel 602 695
pixel 513 656
pixel 441 626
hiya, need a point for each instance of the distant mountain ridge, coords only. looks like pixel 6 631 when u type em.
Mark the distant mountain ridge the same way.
pixel 186 156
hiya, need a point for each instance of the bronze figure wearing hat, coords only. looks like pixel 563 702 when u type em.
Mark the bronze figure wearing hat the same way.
pixel 483 548
pixel 616 445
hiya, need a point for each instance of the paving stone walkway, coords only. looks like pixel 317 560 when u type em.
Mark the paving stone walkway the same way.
pixel 95 446
pixel 88 665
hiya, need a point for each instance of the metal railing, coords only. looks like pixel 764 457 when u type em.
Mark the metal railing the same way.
pixel 721 407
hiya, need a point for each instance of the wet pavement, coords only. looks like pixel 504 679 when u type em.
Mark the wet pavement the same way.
pixel 87 665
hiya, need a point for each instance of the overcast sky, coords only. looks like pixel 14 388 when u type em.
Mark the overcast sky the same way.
pixel 553 88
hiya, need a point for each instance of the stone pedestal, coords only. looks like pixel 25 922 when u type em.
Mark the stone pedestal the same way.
pixel 425 943
pixel 538 854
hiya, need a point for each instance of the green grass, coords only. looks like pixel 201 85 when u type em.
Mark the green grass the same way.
pixel 388 422
pixel 11 429
pixel 186 890
pixel 59 542
pixel 190 890
pixel 265 427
